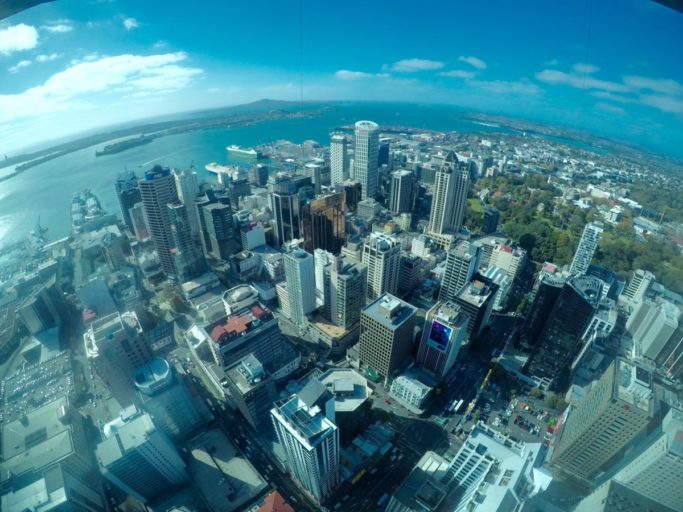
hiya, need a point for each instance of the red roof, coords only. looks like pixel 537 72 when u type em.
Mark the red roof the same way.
pixel 235 325
pixel 274 502
pixel 506 248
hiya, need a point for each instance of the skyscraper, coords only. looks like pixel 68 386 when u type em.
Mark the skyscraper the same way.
pixel 546 294
pixel 339 159
pixel 489 222
pixel 586 248
pixel 218 230
pixel 187 187
pixel 366 156
pixel 253 391
pixel 462 261
pixel 158 189
pixel 382 255
pixel 560 338
pixel 138 458
pixel 304 425
pixel 166 399
pixel 445 329
pixel 449 198
pixel 654 468
pixel 343 288
pixel 634 293
pixel 617 408
pixel 284 203
pixel 128 195
pixel 386 335
pixel 300 277
pixel 187 257
pixel 401 193
pixel 323 223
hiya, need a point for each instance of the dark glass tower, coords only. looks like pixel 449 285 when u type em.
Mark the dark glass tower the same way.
pixel 322 223
pixel 128 195
pixel 561 336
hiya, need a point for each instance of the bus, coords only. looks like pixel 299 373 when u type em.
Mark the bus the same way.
pixel 358 476
pixel 458 406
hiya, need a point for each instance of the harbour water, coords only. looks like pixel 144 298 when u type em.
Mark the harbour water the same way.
pixel 44 192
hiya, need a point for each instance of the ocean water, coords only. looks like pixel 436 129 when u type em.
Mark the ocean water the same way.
pixel 44 192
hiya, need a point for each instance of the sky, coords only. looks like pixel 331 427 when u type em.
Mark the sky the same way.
pixel 610 67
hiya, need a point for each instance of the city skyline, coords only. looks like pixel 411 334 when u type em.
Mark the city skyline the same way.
pixel 589 73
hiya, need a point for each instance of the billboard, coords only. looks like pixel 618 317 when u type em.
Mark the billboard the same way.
pixel 439 336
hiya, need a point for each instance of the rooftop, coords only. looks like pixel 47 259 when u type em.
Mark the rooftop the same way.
pixel 37 439
pixel 350 388
pixel 634 385
pixel 310 423
pixel 240 324
pixel 476 292
pixel 246 373
pixel 389 311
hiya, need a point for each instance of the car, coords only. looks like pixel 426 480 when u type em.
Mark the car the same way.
pixel 387 401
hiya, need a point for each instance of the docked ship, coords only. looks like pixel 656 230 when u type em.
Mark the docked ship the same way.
pixel 86 211
pixel 245 152
pixel 123 145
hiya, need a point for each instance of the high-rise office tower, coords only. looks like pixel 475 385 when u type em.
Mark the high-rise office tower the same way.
pixel 382 255
pixel 258 175
pixel 617 408
pixel 323 223
pixel 509 259
pixel 300 277
pixel 489 222
pixel 353 192
pixel 586 248
pixel 366 156
pixel 253 390
pixel 128 195
pixel 186 255
pixel 449 198
pixel 284 203
pixel 401 191
pixel 548 290
pixel 462 261
pixel 386 335
pixel 654 468
pixel 343 289
pixel 187 188
pixel 166 399
pixel 560 338
pixel 139 222
pixel 444 331
pixel 218 230
pixel 339 158
pixel 138 458
pixel 652 325
pixel 614 496
pixel 158 190
pixel 304 425
pixel 634 293
pixel 476 300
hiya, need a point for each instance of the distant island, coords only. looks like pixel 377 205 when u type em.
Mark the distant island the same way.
pixel 123 145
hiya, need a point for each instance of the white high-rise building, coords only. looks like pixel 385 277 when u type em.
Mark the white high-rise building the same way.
pixel 401 194
pixel 462 261
pixel 188 189
pixel 138 458
pixel 449 197
pixel 339 158
pixel 634 293
pixel 304 425
pixel 655 469
pixel 300 277
pixel 344 284
pixel 366 155
pixel 586 248
pixel 508 258
pixel 382 255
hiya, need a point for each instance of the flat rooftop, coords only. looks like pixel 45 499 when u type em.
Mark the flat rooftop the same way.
pixel 389 311
pixel 38 439
pixel 350 388
pixel 224 478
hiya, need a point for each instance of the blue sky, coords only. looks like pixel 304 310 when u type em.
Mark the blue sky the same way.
pixel 612 67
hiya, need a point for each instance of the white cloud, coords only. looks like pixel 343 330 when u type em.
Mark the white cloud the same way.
pixel 19 65
pixel 345 74
pixel 413 65
pixel 48 57
pixel 613 97
pixel 77 86
pixel 663 86
pixel 556 77
pixel 473 61
pixel 458 73
pixel 58 28
pixel 130 23
pixel 160 45
pixel 17 38
pixel 662 102
pixel 583 68
pixel 551 62
pixel 608 107
pixel 523 86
